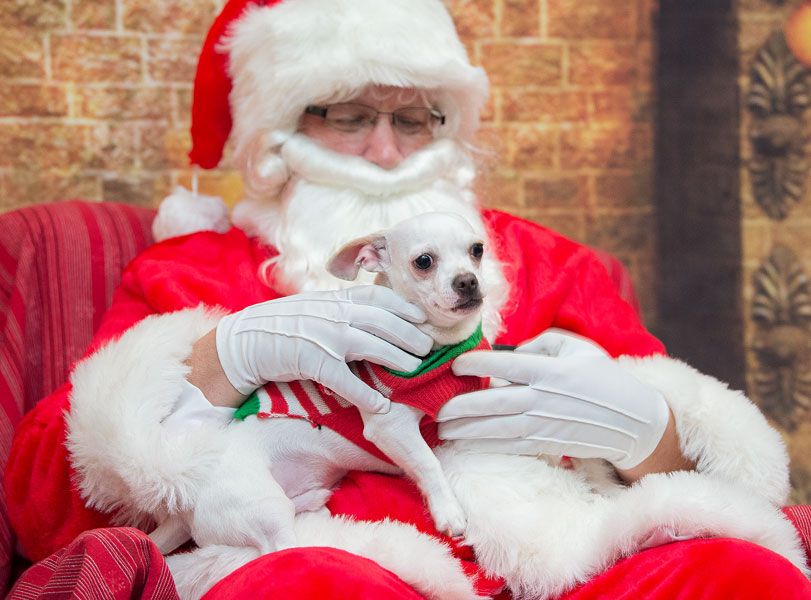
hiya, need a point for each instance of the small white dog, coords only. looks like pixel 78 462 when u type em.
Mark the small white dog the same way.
pixel 434 261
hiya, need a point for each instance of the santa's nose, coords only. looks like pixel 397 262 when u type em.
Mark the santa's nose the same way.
pixel 381 145
pixel 466 285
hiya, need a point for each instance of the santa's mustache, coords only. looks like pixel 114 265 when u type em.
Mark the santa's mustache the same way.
pixel 295 157
pixel 442 159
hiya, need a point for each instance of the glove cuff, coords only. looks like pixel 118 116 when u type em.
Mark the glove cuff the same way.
pixel 233 356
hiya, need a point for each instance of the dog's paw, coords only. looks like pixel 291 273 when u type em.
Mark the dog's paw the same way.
pixel 449 517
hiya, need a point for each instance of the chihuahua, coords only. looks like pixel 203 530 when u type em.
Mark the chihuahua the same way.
pixel 433 260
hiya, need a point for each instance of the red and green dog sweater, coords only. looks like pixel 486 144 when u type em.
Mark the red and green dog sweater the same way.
pixel 427 388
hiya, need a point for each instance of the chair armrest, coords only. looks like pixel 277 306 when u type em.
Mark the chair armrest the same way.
pixel 59 265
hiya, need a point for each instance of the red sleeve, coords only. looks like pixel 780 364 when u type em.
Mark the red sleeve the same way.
pixel 45 509
pixel 555 282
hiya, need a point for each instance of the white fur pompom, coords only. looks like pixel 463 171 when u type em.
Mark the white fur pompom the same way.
pixel 183 212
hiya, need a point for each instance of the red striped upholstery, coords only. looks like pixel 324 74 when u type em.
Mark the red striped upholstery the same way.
pixel 59 264
pixel 800 516
pixel 116 564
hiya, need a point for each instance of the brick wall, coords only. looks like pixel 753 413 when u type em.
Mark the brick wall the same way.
pixel 95 95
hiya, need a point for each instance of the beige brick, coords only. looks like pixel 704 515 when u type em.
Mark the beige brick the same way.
pixel 183 101
pixel 473 18
pixel 32 100
pixel 41 146
pixel 173 59
pixel 556 191
pixel 496 188
pixel 531 148
pixel 603 147
pixel 22 187
pixel 175 16
pixel 488 113
pixel 572 225
pixel 642 142
pixel 644 63
pixel 613 104
pixel 626 233
pixel 623 189
pixel 112 146
pixel 523 64
pixel 121 103
pixel 21 54
pixel 521 18
pixel 85 59
pixel 543 107
pixel 602 63
pixel 492 140
pixel 163 147
pixel 137 187
pixel 221 182
pixel 92 14
pixel 592 19
pixel 33 15
pixel 645 16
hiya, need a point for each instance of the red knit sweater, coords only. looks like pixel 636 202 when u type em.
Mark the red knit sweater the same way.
pixel 427 388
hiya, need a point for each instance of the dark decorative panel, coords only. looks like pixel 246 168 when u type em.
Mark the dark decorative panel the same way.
pixel 778 96
pixel 781 308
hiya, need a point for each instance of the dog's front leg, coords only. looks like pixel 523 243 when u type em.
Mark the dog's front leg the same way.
pixel 397 434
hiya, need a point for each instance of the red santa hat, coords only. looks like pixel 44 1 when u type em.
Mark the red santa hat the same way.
pixel 264 61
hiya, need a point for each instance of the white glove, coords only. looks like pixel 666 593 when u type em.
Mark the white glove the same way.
pixel 313 335
pixel 565 397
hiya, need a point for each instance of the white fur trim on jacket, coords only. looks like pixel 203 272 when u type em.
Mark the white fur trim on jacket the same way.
pixel 417 558
pixel 183 212
pixel 124 460
pixel 720 429
pixel 546 529
pixel 292 54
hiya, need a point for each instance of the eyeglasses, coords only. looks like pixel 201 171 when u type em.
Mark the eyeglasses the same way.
pixel 349 117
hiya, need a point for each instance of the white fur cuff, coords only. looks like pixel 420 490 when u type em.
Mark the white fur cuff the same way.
pixel 720 429
pixel 124 459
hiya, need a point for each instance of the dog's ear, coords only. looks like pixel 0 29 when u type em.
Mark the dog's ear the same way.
pixel 369 252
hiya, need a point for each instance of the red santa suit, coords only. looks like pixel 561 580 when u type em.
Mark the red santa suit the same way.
pixel 553 282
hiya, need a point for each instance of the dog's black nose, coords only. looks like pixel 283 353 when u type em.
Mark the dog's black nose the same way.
pixel 466 285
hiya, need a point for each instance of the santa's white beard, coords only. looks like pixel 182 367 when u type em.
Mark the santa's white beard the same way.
pixel 331 199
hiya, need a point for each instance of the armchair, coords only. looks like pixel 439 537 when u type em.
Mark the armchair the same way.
pixel 59 265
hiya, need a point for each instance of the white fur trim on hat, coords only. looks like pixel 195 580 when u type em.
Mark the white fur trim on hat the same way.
pixel 183 212
pixel 299 52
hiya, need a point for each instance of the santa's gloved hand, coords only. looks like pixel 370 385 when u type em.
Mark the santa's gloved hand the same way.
pixel 564 396
pixel 313 335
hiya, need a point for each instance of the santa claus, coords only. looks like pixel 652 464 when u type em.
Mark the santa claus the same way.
pixel 345 118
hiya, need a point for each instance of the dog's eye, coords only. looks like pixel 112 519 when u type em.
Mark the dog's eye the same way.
pixel 423 262
pixel 477 250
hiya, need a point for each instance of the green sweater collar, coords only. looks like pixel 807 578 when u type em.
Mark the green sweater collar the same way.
pixel 441 355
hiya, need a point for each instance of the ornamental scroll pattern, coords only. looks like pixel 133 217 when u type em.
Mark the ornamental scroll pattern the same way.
pixel 781 308
pixel 777 98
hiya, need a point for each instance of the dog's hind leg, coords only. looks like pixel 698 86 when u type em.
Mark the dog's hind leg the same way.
pixel 170 534
pixel 397 434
